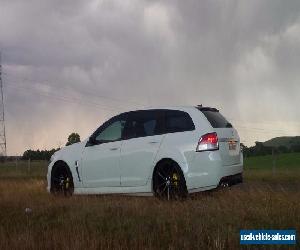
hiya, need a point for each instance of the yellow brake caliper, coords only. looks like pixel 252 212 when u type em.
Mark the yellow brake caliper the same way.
pixel 67 183
pixel 175 179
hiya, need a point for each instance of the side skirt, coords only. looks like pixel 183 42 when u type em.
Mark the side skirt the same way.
pixel 195 190
pixel 134 191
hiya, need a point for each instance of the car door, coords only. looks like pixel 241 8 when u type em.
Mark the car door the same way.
pixel 101 155
pixel 142 139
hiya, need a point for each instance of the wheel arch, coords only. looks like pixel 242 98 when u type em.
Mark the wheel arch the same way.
pixel 160 162
pixel 60 164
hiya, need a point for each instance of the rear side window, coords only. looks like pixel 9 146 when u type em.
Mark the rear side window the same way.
pixel 178 121
pixel 143 123
pixel 216 119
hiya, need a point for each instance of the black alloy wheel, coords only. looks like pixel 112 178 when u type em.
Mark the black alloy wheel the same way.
pixel 62 182
pixel 169 182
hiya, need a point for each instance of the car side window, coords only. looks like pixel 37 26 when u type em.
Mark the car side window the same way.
pixel 112 132
pixel 178 121
pixel 143 123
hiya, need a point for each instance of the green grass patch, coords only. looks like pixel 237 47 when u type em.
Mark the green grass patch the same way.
pixel 23 169
pixel 282 161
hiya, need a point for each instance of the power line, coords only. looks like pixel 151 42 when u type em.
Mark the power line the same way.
pixel 256 129
pixel 51 95
pixel 262 130
pixel 76 100
pixel 69 98
pixel 86 93
pixel 96 105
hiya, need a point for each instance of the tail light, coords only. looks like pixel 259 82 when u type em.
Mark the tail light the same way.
pixel 208 142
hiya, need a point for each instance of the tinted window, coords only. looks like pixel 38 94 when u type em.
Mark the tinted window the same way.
pixel 112 131
pixel 178 121
pixel 216 119
pixel 143 123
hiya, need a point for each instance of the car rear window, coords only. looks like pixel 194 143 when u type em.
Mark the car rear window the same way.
pixel 216 119
pixel 178 121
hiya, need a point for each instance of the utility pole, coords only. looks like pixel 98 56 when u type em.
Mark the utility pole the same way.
pixel 2 117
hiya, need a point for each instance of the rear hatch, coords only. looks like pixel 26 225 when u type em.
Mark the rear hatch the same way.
pixel 229 141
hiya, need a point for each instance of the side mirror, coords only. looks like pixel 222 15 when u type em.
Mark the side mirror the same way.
pixel 92 140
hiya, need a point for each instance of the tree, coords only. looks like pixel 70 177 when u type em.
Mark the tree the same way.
pixel 38 154
pixel 244 149
pixel 73 138
pixel 283 149
pixel 295 148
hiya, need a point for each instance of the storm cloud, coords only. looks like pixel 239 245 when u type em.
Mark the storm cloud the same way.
pixel 69 65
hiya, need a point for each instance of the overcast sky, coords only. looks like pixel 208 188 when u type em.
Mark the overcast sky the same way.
pixel 69 65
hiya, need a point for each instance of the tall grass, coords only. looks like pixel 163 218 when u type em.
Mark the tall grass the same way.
pixel 210 220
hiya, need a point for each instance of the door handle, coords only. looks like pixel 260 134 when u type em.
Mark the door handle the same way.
pixel 153 142
pixel 113 149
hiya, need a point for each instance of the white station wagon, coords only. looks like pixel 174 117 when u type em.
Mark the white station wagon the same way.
pixel 166 152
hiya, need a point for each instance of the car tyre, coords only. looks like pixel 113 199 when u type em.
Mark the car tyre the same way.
pixel 169 182
pixel 62 181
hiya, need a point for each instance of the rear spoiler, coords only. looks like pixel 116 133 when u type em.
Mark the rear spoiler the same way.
pixel 201 108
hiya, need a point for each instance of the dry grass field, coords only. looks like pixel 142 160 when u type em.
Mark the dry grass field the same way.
pixel 30 218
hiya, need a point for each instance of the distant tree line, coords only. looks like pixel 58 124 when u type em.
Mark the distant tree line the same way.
pixel 46 154
pixel 38 154
pixel 260 149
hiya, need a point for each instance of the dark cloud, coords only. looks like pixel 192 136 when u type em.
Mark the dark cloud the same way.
pixel 71 64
